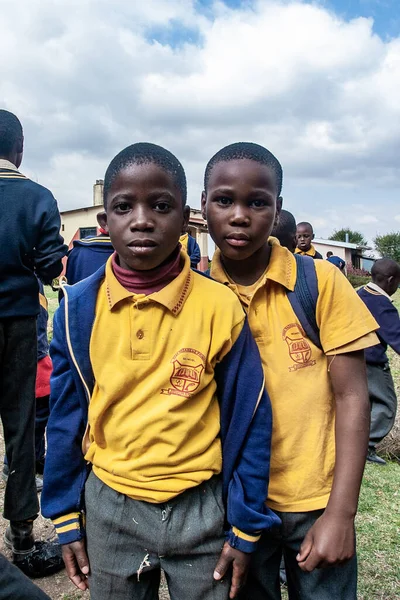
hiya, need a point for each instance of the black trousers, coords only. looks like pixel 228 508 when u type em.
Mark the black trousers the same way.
pixel 18 359
pixel 14 585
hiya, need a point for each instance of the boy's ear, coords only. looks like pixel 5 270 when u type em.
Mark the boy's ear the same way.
pixel 279 203
pixel 186 217
pixel 102 220
pixel 203 204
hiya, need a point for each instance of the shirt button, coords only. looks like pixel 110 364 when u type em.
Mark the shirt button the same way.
pixel 140 334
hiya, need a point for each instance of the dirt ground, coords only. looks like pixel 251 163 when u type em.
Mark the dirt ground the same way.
pixel 58 586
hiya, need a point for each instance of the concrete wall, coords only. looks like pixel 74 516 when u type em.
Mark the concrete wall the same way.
pixel 71 221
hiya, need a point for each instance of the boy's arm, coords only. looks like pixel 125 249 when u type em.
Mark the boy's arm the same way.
pixel 389 323
pixel 50 247
pixel 331 540
pixel 246 427
pixel 65 467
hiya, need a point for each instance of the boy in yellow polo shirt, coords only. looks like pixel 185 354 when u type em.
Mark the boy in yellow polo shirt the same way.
pixel 305 236
pixel 157 377
pixel 319 395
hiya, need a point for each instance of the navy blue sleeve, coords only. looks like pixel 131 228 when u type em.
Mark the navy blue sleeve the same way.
pixel 389 326
pixel 50 247
pixel 65 468
pixel 246 430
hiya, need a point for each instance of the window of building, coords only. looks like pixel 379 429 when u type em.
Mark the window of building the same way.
pixel 87 232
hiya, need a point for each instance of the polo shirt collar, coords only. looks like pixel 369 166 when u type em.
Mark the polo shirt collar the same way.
pixel 376 288
pixel 173 296
pixel 281 267
pixel 6 164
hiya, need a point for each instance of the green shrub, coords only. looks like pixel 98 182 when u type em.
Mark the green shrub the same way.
pixel 358 280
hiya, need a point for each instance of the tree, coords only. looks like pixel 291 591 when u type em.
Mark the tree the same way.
pixel 355 237
pixel 388 245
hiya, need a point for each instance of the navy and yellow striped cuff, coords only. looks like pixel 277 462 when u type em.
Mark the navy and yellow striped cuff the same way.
pixel 69 528
pixel 246 542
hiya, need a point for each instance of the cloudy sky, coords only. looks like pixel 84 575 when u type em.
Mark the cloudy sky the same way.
pixel 317 83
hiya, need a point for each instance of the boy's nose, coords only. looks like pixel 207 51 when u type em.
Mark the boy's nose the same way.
pixel 240 216
pixel 141 219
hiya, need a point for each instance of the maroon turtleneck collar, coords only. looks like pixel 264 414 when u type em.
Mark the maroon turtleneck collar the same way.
pixel 148 282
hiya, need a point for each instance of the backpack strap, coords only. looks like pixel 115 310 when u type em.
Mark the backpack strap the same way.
pixel 304 297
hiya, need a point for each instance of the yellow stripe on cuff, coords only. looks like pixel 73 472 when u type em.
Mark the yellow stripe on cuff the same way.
pixel 65 518
pixel 246 536
pixel 69 527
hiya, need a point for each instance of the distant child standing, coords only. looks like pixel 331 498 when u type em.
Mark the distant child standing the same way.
pixel 158 386
pixel 30 245
pixel 305 236
pixel 319 395
pixel 377 296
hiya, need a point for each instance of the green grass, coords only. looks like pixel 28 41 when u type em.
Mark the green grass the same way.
pixel 378 530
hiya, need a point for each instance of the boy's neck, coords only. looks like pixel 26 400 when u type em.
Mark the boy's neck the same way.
pixel 249 270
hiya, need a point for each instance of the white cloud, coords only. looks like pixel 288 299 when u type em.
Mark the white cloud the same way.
pixel 365 219
pixel 88 78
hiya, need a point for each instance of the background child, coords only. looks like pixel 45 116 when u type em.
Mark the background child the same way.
pixel 30 245
pixel 305 236
pixel 382 395
pixel 190 246
pixel 285 230
pixel 319 397
pixel 165 358
pixel 87 255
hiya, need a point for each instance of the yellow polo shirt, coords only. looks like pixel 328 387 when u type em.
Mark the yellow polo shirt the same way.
pixel 154 417
pixel 310 252
pixel 296 372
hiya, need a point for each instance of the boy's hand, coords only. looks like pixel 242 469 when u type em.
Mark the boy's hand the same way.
pixel 329 542
pixel 76 563
pixel 240 565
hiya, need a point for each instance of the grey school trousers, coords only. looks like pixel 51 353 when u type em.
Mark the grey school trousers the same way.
pixel 129 541
pixel 383 401
pixel 332 583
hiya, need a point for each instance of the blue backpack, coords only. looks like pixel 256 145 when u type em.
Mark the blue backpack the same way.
pixel 304 297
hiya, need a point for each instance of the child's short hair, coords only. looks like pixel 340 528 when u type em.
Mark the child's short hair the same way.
pixel 144 153
pixel 306 224
pixel 250 151
pixel 10 131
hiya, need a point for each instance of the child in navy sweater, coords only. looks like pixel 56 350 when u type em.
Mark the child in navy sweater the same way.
pixel 377 297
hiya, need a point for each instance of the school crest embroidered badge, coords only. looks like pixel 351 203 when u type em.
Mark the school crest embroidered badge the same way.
pixel 299 349
pixel 188 366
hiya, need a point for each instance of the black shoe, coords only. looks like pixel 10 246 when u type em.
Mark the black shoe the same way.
pixel 45 559
pixel 374 458
pixel 40 560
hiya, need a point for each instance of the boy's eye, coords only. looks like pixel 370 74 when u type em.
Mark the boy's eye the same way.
pixel 162 207
pixel 122 207
pixel 223 200
pixel 258 203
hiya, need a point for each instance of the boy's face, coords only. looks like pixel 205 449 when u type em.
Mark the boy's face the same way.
pixel 240 206
pixel 305 236
pixel 144 216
